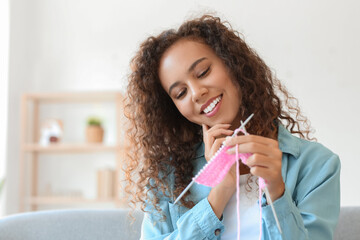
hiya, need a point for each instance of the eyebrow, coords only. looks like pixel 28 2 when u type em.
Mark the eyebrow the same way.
pixel 191 68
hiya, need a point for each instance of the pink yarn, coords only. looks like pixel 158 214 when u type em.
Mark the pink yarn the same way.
pixel 238 191
pixel 219 165
pixel 217 168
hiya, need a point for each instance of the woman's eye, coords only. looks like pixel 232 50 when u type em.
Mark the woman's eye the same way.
pixel 181 94
pixel 204 72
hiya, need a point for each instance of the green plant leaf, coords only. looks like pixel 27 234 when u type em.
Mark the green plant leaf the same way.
pixel 94 121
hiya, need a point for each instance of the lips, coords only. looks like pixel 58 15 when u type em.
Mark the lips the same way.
pixel 208 103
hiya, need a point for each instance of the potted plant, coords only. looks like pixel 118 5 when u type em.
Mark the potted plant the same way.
pixel 94 130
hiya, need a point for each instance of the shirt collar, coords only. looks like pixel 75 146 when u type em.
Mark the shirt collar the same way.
pixel 287 143
pixel 200 149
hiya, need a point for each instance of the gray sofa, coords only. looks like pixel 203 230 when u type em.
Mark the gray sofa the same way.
pixel 71 225
pixel 114 225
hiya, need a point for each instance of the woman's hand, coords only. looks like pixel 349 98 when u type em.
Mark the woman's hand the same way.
pixel 265 161
pixel 220 195
pixel 213 138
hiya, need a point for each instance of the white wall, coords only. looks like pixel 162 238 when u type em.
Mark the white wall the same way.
pixel 86 45
pixel 4 71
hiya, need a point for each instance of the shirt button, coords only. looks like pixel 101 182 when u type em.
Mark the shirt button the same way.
pixel 217 232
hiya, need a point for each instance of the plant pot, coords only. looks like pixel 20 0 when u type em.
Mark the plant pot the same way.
pixel 94 134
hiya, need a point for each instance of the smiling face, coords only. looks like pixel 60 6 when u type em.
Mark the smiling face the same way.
pixel 199 84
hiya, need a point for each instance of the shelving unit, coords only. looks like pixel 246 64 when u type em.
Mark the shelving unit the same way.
pixel 30 149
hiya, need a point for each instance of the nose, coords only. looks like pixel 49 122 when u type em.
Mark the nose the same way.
pixel 198 91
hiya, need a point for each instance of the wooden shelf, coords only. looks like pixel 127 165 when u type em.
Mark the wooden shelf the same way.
pixel 71 148
pixel 53 200
pixel 71 97
pixel 31 150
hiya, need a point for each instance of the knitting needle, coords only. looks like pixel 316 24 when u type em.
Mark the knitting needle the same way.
pixel 183 192
pixel 272 208
pixel 192 182
pixel 267 194
pixel 242 126
pixel 265 189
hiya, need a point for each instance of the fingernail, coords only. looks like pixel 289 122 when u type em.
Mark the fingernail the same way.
pixel 229 151
pixel 227 140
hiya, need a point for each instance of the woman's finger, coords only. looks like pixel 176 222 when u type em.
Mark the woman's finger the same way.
pixel 263 161
pixel 251 138
pixel 205 127
pixel 217 144
pixel 262 172
pixel 220 132
pixel 218 126
pixel 254 147
pixel 214 137
pixel 210 151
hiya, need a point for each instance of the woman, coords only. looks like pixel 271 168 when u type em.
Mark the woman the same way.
pixel 189 89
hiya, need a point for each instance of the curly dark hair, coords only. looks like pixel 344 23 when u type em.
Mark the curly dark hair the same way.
pixel 162 140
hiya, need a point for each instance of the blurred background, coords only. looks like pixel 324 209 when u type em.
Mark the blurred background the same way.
pixel 51 48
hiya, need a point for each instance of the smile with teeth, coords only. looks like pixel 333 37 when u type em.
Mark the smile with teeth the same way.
pixel 212 105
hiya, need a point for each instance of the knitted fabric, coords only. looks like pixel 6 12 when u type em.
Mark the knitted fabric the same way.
pixel 217 168
pixel 219 165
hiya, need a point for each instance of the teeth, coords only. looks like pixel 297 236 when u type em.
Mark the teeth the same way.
pixel 212 105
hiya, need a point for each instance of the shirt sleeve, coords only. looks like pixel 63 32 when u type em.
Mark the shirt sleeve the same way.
pixel 315 215
pixel 200 222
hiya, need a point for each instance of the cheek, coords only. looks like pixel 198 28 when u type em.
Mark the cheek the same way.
pixel 187 112
pixel 234 90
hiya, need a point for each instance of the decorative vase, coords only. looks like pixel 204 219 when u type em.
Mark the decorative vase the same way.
pixel 94 134
pixel 106 183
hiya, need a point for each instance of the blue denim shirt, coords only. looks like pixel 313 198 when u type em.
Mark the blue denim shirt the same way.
pixel 309 208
